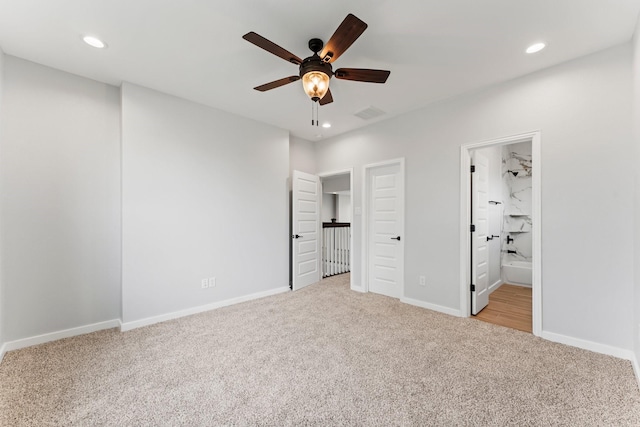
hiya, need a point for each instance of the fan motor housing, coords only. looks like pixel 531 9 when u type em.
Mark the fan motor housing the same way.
pixel 314 63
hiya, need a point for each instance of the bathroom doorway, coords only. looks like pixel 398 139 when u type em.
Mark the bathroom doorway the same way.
pixel 500 232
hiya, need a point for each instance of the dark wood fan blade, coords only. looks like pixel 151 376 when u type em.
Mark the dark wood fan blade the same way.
pixel 271 47
pixel 327 98
pixel 362 75
pixel 268 86
pixel 350 29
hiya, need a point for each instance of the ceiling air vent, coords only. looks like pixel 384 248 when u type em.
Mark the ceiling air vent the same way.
pixel 370 113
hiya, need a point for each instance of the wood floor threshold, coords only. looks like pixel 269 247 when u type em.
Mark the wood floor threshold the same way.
pixel 509 306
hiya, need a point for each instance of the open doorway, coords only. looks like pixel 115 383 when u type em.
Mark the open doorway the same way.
pixel 501 252
pixel 336 220
pixel 336 217
pixel 321 213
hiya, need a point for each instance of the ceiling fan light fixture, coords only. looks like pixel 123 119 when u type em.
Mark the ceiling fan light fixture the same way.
pixel 316 71
pixel 315 84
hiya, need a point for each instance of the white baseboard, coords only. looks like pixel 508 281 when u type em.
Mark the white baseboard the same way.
pixel 358 289
pixel 495 285
pixel 620 353
pixel 636 369
pixel 127 326
pixel 429 306
pixel 116 323
pixel 522 285
pixel 54 336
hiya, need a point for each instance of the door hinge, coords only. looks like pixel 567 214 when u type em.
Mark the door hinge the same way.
pixel 473 228
pixel 473 168
pixel 473 287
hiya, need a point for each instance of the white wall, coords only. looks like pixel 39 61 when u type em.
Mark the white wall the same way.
pixel 636 157
pixel 2 281
pixel 335 204
pixel 204 195
pixel 583 109
pixel 59 200
pixel 328 207
pixel 302 155
pixel 336 183
pixel 344 207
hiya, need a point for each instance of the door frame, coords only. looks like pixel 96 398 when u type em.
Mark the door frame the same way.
pixel 366 199
pixel 536 217
pixel 352 247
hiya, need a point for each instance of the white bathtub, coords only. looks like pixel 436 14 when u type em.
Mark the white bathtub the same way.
pixel 517 273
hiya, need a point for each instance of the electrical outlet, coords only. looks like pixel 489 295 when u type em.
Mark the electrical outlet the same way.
pixel 204 283
pixel 212 282
pixel 422 281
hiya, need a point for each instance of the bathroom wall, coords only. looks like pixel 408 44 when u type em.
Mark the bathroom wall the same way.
pixel 517 197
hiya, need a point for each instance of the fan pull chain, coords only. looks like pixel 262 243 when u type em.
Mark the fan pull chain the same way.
pixel 314 113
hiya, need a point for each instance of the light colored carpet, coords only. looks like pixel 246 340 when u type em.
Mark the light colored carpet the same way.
pixel 320 356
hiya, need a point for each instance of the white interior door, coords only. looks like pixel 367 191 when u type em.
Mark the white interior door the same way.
pixel 306 226
pixel 386 226
pixel 479 220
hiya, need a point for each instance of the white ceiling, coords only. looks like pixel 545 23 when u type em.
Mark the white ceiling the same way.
pixel 194 49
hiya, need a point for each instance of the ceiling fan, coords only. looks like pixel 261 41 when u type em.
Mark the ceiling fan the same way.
pixel 316 70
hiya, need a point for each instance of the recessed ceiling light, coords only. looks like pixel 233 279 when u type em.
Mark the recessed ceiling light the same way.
pixel 94 42
pixel 326 125
pixel 537 47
